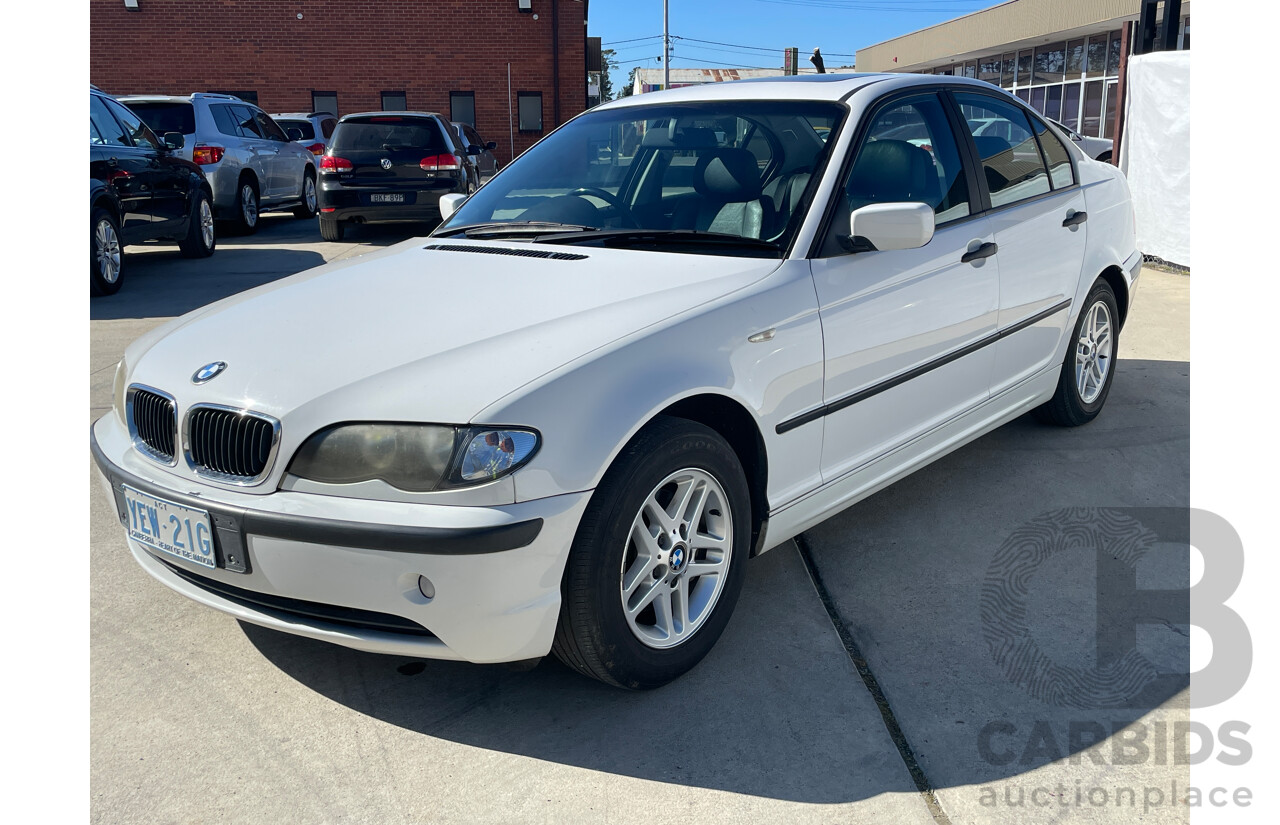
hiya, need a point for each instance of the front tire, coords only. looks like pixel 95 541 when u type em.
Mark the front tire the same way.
pixel 658 560
pixel 1087 372
pixel 309 207
pixel 201 237
pixel 106 253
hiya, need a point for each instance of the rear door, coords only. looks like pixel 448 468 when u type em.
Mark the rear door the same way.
pixel 284 165
pixel 395 154
pixel 1037 215
pixel 257 153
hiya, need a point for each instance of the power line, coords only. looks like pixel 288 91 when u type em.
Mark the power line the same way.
pixel 771 50
pixel 633 40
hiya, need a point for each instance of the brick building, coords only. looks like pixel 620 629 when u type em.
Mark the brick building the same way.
pixel 445 56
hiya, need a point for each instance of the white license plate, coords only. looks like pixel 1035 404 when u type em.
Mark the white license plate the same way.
pixel 169 528
pixel 386 198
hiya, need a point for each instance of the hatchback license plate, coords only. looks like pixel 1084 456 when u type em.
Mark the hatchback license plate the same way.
pixel 170 528
pixel 386 198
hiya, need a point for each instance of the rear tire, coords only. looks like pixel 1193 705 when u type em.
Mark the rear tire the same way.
pixel 309 207
pixel 1090 365
pixel 201 238
pixel 658 560
pixel 247 216
pixel 106 253
pixel 332 230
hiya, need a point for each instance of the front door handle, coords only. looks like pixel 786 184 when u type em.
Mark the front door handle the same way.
pixel 985 251
pixel 1075 219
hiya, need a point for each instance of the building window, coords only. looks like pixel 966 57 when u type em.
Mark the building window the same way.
pixel 246 96
pixel 1049 62
pixel 1006 70
pixel 324 102
pixel 394 102
pixel 530 110
pixel 1097 60
pixel 1024 69
pixel 1075 59
pixel 462 107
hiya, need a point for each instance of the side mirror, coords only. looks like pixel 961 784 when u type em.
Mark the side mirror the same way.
pixel 474 150
pixel 449 204
pixel 173 141
pixel 885 226
pixel 491 145
pixel 294 134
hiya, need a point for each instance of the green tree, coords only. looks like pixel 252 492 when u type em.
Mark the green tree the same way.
pixel 607 61
pixel 628 89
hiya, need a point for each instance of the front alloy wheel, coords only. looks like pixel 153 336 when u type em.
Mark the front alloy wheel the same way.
pixel 676 561
pixel 658 560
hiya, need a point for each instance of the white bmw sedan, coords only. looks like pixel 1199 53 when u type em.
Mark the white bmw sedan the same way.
pixel 678 331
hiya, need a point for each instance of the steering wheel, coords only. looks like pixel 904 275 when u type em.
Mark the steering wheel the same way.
pixel 623 212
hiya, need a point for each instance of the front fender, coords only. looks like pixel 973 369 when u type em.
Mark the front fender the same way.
pixel 591 407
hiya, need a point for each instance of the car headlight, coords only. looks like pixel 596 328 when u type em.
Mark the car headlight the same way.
pixel 417 458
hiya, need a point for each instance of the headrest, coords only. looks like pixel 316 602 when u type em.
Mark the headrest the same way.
pixel 731 175
pixel 889 171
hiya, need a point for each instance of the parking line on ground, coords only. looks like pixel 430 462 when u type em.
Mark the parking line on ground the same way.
pixel 873 687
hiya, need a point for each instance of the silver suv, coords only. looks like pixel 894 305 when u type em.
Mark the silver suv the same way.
pixel 250 162
pixel 315 129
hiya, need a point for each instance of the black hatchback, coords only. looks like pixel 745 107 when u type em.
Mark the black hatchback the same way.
pixel 139 190
pixel 388 167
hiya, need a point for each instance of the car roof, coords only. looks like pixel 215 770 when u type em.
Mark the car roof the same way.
pixel 832 87
pixel 184 98
pixel 394 114
pixel 304 115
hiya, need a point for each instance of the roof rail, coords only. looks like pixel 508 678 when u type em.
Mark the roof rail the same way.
pixel 216 95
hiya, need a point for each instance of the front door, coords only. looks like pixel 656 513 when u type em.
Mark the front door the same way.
pixel 904 330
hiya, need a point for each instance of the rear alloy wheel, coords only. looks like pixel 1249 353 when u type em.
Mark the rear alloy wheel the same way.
pixel 247 208
pixel 1089 367
pixel 308 208
pixel 659 558
pixel 332 230
pixel 106 253
pixel 201 239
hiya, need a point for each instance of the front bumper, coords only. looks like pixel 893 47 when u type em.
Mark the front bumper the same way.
pixel 312 568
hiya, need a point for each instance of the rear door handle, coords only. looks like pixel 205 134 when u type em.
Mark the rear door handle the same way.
pixel 985 251
pixel 1076 218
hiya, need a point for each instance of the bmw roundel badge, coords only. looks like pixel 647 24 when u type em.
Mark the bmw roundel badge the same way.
pixel 208 372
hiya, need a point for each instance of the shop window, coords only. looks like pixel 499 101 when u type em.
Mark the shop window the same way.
pixel 1074 68
pixel 1049 63
pixel 1007 63
pixel 1024 68
pixel 1071 106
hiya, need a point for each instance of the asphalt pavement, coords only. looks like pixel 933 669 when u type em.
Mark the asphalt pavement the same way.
pixel 906 661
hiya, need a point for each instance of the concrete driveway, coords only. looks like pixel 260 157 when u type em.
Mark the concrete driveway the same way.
pixel 860 680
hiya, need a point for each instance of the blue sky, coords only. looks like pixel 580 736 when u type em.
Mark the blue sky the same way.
pixel 838 27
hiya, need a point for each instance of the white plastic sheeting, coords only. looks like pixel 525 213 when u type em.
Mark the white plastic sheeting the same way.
pixel 1155 152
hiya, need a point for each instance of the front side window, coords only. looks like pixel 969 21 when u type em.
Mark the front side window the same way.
pixel 1011 161
pixel 666 176
pixel 138 131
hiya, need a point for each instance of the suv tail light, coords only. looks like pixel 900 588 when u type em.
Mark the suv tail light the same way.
pixel 335 165
pixel 316 149
pixel 440 163
pixel 204 155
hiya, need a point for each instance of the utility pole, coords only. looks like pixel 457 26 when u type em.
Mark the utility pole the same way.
pixel 666 49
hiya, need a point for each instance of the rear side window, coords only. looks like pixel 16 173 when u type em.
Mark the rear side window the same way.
pixel 327 126
pixel 245 121
pixel 268 127
pixel 388 132
pixel 1011 159
pixel 304 126
pixel 164 117
pixel 103 128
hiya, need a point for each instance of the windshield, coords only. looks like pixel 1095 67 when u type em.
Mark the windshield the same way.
pixel 735 168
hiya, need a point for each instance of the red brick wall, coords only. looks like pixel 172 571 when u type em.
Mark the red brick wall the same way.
pixel 358 48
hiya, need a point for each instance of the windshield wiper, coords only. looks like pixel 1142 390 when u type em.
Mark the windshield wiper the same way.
pixel 499 228
pixel 659 237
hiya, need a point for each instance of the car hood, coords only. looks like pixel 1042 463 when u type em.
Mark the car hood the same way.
pixel 420 334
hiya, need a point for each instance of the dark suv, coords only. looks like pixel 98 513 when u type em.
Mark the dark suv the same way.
pixel 389 167
pixel 140 190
